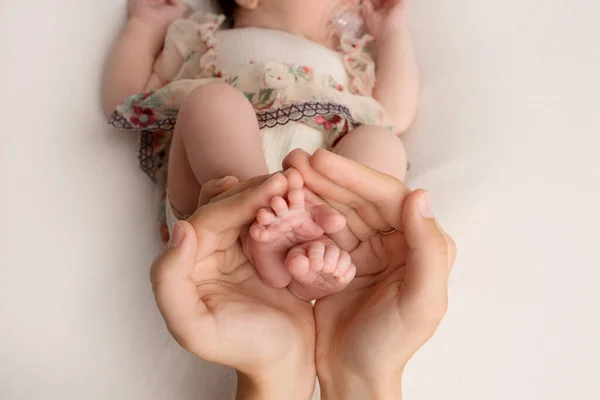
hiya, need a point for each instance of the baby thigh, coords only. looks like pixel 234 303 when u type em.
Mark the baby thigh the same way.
pixel 216 135
pixel 375 147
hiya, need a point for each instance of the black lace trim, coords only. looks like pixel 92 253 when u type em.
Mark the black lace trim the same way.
pixel 146 156
pixel 118 121
pixel 151 161
pixel 298 111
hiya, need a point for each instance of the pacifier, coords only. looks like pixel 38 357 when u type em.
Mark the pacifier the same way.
pixel 349 22
pixel 346 18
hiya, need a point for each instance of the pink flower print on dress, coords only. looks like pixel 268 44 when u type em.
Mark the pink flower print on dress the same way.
pixel 277 76
pixel 326 123
pixel 338 87
pixel 143 117
pixel 159 139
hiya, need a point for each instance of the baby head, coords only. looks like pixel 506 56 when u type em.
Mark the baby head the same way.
pixel 307 18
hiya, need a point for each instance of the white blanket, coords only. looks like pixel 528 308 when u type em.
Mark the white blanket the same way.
pixel 507 141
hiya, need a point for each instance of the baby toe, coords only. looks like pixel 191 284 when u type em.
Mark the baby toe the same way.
pixel 265 217
pixel 316 255
pixel 348 276
pixel 343 264
pixel 257 232
pixel 297 263
pixel 332 254
pixel 279 206
pixel 296 199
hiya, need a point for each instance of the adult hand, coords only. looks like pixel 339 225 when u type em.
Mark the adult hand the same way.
pixel 370 201
pixel 216 306
pixel 367 334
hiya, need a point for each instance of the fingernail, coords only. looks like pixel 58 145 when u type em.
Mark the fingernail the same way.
pixel 221 182
pixel 425 206
pixel 177 235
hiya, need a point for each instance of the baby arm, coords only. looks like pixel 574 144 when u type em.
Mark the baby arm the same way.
pixel 134 64
pixel 397 77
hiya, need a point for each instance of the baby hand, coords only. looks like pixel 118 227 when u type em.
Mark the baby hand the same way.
pixel 162 12
pixel 384 17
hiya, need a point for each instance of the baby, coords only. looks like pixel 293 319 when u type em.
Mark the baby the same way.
pixel 212 102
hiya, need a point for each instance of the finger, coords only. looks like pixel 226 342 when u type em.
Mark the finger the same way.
pixel 345 239
pixel 295 157
pixel 384 192
pixel 328 219
pixel 368 219
pixel 314 199
pixel 175 291
pixel 215 187
pixel 294 179
pixel 364 218
pixel 212 221
pixel 241 186
pixel 451 247
pixel 366 183
pixel 362 256
pixel 451 251
pixel 427 270
pixel 318 183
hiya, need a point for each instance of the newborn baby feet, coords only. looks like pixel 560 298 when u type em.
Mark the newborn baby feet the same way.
pixel 319 269
pixel 288 247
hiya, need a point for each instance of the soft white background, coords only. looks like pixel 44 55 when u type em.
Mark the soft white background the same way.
pixel 507 141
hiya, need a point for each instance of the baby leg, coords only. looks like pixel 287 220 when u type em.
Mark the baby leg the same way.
pixel 217 135
pixel 376 148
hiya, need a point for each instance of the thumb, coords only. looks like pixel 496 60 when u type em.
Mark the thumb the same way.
pixel 430 253
pixel 213 188
pixel 171 275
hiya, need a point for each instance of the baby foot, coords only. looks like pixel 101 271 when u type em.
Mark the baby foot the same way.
pixel 285 225
pixel 319 268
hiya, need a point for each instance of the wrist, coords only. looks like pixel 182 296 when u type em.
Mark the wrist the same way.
pixel 352 386
pixel 296 382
